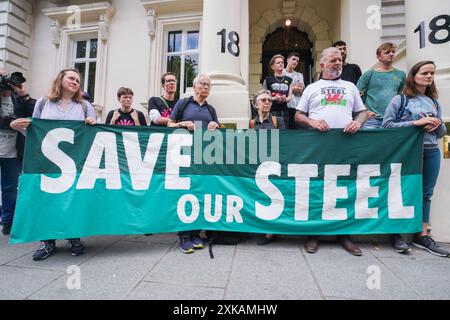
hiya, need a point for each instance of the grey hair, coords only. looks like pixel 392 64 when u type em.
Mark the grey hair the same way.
pixel 260 93
pixel 197 78
pixel 326 52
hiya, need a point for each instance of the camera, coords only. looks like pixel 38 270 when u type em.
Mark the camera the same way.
pixel 15 79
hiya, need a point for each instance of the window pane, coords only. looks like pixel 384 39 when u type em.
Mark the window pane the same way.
pixel 81 67
pixel 93 51
pixel 81 49
pixel 91 79
pixel 174 65
pixel 174 41
pixel 192 40
pixel 191 69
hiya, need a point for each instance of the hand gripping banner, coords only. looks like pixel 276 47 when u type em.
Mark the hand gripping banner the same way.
pixel 81 181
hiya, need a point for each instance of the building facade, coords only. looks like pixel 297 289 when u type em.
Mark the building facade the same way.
pixel 132 42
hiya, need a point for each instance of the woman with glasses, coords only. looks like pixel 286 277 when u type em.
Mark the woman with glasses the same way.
pixel 265 120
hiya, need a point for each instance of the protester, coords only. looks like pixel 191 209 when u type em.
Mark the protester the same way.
pixel 332 103
pixel 350 72
pixel 297 85
pixel 192 113
pixel 265 120
pixel 280 87
pixel 418 106
pixel 160 108
pixel 379 85
pixel 14 103
pixel 64 102
pixel 125 115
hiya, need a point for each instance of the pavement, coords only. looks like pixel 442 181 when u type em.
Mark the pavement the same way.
pixel 152 267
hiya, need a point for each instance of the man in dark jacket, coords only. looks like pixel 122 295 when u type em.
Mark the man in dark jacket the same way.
pixel 14 103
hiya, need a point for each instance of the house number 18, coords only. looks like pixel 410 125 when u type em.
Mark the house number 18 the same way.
pixel 233 44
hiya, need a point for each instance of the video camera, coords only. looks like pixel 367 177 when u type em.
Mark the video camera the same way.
pixel 15 79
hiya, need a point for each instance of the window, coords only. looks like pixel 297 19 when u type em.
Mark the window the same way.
pixel 85 61
pixel 183 57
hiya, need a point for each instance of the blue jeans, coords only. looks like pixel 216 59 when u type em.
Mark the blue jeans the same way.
pixel 431 164
pixel 193 233
pixel 9 180
pixel 373 124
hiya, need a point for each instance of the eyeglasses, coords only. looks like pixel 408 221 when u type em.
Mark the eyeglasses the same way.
pixel 170 81
pixel 264 100
pixel 205 84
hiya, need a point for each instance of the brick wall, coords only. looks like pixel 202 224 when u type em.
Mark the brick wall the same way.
pixel 16 20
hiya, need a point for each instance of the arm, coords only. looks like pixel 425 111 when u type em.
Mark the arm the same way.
pixel 362 84
pixel 155 114
pixel 182 124
pixel 142 119
pixel 357 123
pixel 289 96
pixel 303 119
pixel 91 117
pixel 109 117
pixel 390 116
pixel 135 117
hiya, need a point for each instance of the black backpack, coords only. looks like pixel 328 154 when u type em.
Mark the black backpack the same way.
pixel 223 237
pixel 185 102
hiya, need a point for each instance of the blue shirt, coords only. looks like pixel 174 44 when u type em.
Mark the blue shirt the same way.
pixel 53 111
pixel 193 112
pixel 418 107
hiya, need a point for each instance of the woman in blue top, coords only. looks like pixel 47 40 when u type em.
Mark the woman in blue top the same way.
pixel 421 109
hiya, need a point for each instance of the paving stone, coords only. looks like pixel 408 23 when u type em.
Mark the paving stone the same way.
pixel 19 283
pixel 162 291
pixel 163 238
pixel 384 250
pixel 11 252
pixel 195 269
pixel 281 243
pixel 259 275
pixel 111 275
pixel 62 257
pixel 429 278
pixel 340 274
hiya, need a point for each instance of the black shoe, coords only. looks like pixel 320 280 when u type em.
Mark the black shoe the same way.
pixel 350 246
pixel 46 249
pixel 312 244
pixel 399 244
pixel 427 243
pixel 77 247
pixel 6 229
pixel 265 240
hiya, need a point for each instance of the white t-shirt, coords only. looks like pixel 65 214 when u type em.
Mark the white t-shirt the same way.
pixel 296 77
pixel 334 101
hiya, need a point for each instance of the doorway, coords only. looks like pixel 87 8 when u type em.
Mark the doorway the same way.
pixel 284 41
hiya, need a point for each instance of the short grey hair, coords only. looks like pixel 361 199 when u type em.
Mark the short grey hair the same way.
pixel 200 76
pixel 260 93
pixel 326 52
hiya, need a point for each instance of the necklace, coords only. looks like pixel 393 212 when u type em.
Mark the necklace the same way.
pixel 276 78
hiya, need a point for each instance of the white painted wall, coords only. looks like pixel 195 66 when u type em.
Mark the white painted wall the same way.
pixel 128 53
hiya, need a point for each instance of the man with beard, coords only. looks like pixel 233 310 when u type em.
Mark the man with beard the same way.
pixel 328 104
pixel 350 72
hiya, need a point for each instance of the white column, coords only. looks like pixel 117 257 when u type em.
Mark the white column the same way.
pixel 224 55
pixel 423 44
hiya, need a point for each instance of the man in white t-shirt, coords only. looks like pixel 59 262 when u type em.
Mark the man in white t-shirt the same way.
pixel 327 104
pixel 298 85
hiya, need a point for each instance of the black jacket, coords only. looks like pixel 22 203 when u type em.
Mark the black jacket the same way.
pixel 23 108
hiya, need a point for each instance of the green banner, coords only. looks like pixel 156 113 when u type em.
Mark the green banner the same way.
pixel 81 181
